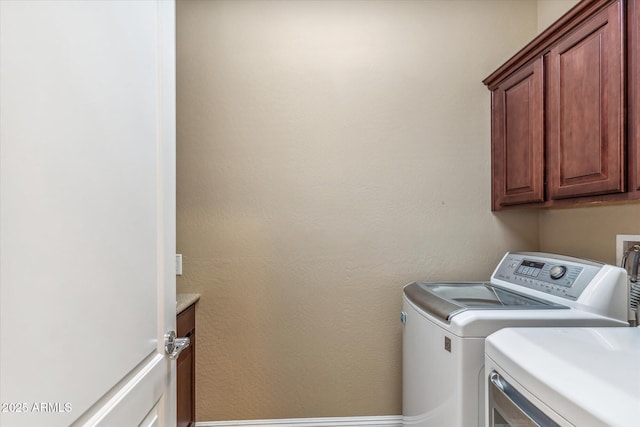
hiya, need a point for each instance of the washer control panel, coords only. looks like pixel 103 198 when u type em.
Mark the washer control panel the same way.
pixel 557 275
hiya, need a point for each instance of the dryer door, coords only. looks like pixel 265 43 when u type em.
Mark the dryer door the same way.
pixel 507 407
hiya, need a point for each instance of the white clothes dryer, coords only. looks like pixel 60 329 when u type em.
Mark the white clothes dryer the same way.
pixel 563 377
pixel 446 323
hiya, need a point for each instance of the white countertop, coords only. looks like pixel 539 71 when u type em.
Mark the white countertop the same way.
pixel 589 376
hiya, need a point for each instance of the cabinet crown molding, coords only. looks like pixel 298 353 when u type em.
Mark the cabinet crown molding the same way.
pixel 543 42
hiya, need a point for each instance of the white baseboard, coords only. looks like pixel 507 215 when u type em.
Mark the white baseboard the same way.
pixel 383 421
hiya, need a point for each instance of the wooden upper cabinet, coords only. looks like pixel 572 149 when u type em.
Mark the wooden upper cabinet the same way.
pixel 585 109
pixel 634 96
pixel 565 126
pixel 517 138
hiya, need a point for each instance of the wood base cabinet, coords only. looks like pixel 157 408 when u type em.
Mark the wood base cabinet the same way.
pixel 186 369
pixel 559 112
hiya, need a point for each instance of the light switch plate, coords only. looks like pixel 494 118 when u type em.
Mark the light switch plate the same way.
pixel 178 264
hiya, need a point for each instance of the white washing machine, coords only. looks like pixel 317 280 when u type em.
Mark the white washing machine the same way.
pixel 446 323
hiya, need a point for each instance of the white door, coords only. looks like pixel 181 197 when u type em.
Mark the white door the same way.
pixel 87 212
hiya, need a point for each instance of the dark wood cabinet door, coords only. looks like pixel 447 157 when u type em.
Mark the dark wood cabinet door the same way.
pixel 585 109
pixel 186 369
pixel 634 95
pixel 184 380
pixel 518 138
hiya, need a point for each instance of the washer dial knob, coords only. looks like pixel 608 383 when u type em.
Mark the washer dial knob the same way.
pixel 557 271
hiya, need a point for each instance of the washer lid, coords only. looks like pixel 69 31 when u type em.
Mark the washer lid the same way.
pixel 446 299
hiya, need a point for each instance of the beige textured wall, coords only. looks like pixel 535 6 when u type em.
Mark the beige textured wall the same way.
pixel 588 232
pixel 328 153
pixel 550 10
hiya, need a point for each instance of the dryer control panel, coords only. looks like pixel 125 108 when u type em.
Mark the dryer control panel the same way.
pixel 561 276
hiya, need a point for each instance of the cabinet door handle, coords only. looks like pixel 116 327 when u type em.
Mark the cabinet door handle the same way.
pixel 173 346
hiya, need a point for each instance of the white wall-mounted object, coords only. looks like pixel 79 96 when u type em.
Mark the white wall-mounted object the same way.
pixel 623 243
